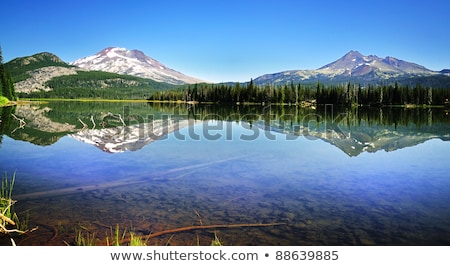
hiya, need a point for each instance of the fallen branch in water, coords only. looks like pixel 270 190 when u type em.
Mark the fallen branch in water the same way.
pixel 199 227
pixel 22 123
pixel 93 122
pixel 84 124
pixel 21 120
pixel 4 230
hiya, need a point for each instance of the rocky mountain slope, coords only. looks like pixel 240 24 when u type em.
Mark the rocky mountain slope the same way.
pixel 353 66
pixel 39 77
pixel 135 63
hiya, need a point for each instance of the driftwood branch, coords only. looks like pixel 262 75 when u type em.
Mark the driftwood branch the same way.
pixel 22 123
pixel 116 116
pixel 9 231
pixel 84 124
pixel 121 120
pixel 199 227
pixel 21 120
pixel 93 122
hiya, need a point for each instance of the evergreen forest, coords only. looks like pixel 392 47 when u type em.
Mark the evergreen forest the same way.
pixel 99 85
pixel 347 94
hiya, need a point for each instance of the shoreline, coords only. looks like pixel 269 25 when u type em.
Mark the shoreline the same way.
pixel 308 105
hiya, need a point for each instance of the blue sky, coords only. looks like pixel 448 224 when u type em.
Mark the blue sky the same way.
pixel 231 40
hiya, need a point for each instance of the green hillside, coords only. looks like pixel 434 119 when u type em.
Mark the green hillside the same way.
pixel 98 84
pixel 19 66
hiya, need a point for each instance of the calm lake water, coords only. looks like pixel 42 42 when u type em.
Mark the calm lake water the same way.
pixel 332 177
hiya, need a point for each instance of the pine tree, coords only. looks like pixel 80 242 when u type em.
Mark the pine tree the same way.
pixel 10 85
pixel 6 83
pixel 1 89
pixel 1 72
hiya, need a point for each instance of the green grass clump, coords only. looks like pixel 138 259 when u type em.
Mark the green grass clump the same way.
pixel 9 221
pixel 216 241
pixel 133 239
pixel 115 238
pixel 136 240
pixel 7 216
pixel 85 239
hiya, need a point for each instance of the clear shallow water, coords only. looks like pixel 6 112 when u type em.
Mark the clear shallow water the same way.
pixel 394 191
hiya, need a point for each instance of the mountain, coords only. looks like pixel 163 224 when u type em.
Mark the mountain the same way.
pixel 356 64
pixel 30 73
pixel 35 61
pixel 445 72
pixel 135 63
pixel 46 75
pixel 353 66
pixel 18 67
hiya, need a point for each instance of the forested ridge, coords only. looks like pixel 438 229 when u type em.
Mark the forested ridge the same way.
pixel 98 84
pixel 344 94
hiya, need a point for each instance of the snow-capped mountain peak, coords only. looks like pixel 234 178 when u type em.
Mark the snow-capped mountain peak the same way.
pixel 355 64
pixel 352 66
pixel 349 61
pixel 133 62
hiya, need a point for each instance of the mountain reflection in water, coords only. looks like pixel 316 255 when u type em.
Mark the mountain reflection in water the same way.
pixel 354 131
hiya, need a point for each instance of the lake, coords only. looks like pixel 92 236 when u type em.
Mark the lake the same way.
pixel 323 176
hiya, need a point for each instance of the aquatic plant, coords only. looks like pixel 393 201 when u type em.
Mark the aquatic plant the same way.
pixel 136 240
pixel 9 221
pixel 216 241
pixel 115 238
pixel 7 215
pixel 6 201
pixel 85 239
